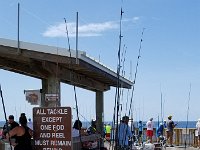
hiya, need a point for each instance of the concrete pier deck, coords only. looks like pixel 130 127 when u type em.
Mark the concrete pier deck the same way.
pixel 109 147
pixel 181 148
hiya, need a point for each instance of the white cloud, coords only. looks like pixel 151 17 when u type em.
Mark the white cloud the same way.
pixel 86 30
pixel 92 29
pixel 134 19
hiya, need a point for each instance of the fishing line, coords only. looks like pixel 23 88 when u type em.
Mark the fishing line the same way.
pixel 83 116
pixel 131 101
pixel 122 74
pixel 57 90
pixel 136 70
pixel 161 106
pixel 130 78
pixel 5 116
pixel 35 16
pixel 114 117
pixel 75 96
pixel 123 59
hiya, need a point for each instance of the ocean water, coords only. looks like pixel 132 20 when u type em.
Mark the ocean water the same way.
pixel 180 124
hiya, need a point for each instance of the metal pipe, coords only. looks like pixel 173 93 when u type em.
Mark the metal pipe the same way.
pixel 76 37
pixel 18 42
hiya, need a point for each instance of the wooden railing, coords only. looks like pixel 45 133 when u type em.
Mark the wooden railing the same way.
pixel 77 144
pixel 4 145
pixel 180 137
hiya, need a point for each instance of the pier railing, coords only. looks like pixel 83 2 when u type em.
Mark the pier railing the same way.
pixel 94 138
pixel 181 136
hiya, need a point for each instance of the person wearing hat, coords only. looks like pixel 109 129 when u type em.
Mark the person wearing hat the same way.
pixel 140 129
pixel 9 125
pixel 92 128
pixel 198 131
pixel 159 132
pixel 170 130
pixel 124 133
pixel 149 132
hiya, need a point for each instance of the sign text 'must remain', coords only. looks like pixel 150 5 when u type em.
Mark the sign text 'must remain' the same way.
pixel 52 128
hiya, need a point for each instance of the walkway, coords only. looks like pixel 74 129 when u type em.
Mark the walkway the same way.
pixel 107 145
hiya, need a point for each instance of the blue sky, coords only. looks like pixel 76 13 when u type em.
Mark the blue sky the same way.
pixel 170 55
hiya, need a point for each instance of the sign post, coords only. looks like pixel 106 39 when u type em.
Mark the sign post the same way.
pixel 52 128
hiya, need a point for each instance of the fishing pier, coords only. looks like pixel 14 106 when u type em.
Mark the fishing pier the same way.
pixel 54 65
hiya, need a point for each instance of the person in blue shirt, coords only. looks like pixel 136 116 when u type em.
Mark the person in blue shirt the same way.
pixel 140 129
pixel 124 133
pixel 160 132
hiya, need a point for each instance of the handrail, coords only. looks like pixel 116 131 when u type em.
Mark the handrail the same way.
pixel 91 137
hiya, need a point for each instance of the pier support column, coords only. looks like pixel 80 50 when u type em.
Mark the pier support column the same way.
pixel 50 86
pixel 100 113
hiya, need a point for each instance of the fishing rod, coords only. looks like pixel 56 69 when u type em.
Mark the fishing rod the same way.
pixel 131 101
pixel 118 84
pixel 133 82
pixel 123 59
pixel 161 107
pixel 135 76
pixel 136 70
pixel 122 74
pixel 117 92
pixel 75 96
pixel 188 108
pixel 121 93
pixel 4 110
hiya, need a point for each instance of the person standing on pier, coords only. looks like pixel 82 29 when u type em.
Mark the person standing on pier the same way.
pixel 108 131
pixel 92 128
pixel 76 131
pixel 11 124
pixel 159 132
pixel 149 132
pixel 140 133
pixel 198 130
pixel 170 130
pixel 23 134
pixel 124 133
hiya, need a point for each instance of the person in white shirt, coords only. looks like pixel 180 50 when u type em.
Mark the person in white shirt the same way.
pixel 198 130
pixel 149 132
